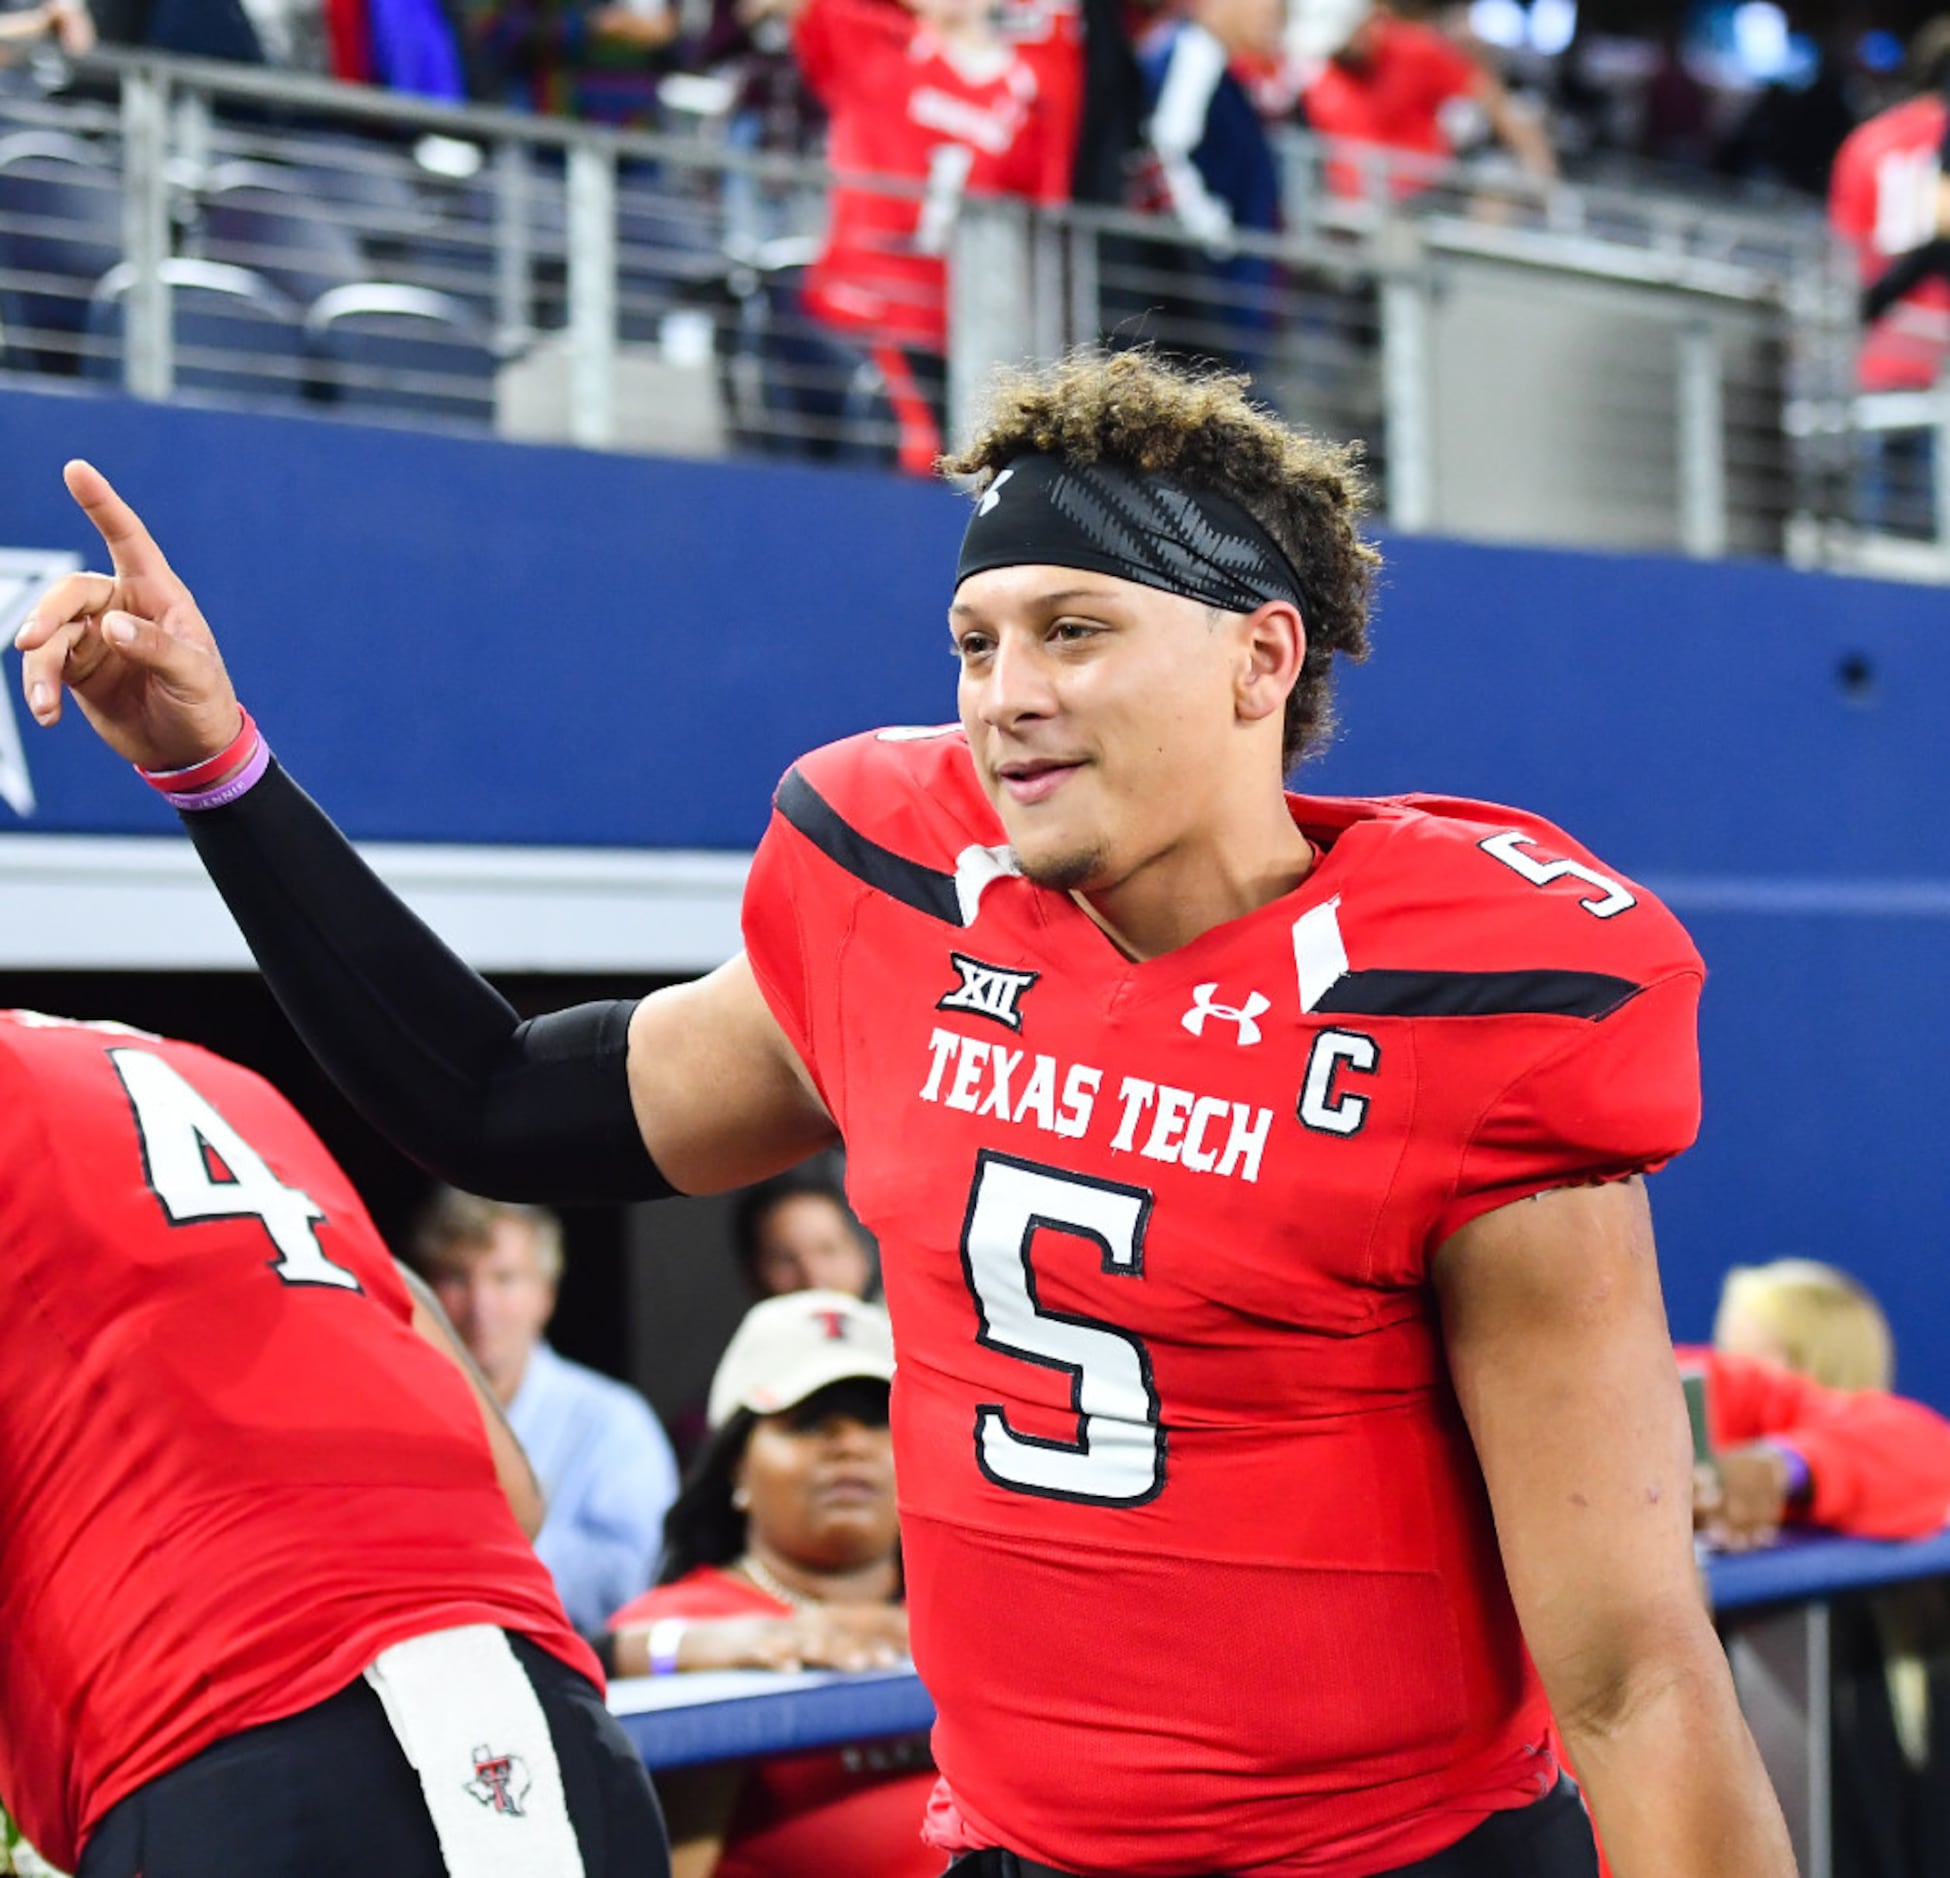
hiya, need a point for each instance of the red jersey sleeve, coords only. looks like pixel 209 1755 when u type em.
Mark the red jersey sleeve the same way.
pixel 1851 194
pixel 833 40
pixel 1440 69
pixel 1878 1464
pixel 1621 1097
pixel 796 910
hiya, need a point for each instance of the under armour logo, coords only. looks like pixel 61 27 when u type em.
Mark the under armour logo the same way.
pixel 1246 1016
pixel 834 1324
pixel 993 495
pixel 988 991
pixel 500 1781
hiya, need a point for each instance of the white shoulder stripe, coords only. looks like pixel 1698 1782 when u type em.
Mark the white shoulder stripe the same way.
pixel 1319 957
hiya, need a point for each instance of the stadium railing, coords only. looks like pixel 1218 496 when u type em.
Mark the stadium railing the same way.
pixel 1586 366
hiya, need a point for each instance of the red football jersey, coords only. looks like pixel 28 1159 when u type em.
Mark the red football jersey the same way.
pixel 1882 202
pixel 849 1812
pixel 1200 1565
pixel 1396 99
pixel 904 110
pixel 233 1473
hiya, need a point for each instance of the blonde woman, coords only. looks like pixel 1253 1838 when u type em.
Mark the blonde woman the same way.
pixel 1800 1420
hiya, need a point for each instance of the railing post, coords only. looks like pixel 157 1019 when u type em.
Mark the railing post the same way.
pixel 1702 462
pixel 592 294
pixel 514 307
pixel 991 316
pixel 1940 464
pixel 148 354
pixel 1407 417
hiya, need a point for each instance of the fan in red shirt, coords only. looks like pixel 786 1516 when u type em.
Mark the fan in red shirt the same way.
pixel 1884 202
pixel 245 1499
pixel 784 1551
pixel 934 97
pixel 1399 84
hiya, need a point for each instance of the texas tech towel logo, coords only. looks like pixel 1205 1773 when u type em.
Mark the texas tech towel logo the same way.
pixel 988 991
pixel 500 1781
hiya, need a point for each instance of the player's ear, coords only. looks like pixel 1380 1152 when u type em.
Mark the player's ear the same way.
pixel 1272 649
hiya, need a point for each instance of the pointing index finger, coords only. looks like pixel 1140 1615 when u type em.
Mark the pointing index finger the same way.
pixel 131 547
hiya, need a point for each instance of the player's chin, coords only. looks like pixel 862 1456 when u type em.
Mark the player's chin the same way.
pixel 1064 866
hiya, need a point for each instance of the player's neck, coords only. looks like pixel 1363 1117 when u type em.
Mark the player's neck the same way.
pixel 1187 891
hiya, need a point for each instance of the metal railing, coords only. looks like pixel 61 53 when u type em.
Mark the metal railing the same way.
pixel 1569 364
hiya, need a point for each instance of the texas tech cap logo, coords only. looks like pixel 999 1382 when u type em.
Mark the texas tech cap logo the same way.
pixel 988 991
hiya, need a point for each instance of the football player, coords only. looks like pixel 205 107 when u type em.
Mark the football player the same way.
pixel 266 1606
pixel 1285 1422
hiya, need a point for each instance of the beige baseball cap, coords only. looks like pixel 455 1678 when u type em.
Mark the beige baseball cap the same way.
pixel 792 1346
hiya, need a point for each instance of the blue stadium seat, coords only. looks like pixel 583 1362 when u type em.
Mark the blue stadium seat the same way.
pixel 60 232
pixel 256 215
pixel 235 334
pixel 387 348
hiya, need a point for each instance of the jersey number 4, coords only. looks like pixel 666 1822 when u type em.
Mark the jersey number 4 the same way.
pixel 179 1131
pixel 1117 1457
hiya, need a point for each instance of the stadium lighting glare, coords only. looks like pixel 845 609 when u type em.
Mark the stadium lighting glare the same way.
pixel 1553 25
pixel 1760 39
pixel 1498 23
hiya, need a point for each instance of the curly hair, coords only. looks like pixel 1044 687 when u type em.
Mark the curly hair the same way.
pixel 1141 413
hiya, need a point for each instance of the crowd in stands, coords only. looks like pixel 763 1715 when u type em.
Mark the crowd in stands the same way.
pixel 1170 106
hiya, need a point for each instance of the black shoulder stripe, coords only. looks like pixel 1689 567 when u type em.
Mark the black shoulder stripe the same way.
pixel 926 889
pixel 1477 994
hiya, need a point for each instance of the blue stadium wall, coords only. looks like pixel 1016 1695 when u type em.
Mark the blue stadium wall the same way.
pixel 472 642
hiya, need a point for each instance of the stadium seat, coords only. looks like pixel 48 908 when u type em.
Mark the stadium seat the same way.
pixel 235 334
pixel 382 347
pixel 257 215
pixel 60 232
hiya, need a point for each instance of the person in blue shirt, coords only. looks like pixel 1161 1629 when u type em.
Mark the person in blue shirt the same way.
pixel 605 1464
pixel 1215 174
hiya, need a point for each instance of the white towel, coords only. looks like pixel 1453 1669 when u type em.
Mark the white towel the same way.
pixel 469 1721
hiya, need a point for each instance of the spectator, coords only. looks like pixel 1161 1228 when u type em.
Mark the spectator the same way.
pixel 198 29
pixel 783 1552
pixel 935 96
pixel 67 22
pixel 262 1522
pixel 796 1233
pixel 1800 1420
pixel 1860 1461
pixel 1887 201
pixel 1403 86
pixel 605 1463
pixel 1218 178
pixel 572 58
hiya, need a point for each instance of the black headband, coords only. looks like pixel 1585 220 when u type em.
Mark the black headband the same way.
pixel 1049 510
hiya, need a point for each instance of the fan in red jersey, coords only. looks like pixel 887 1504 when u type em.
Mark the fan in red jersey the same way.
pixel 1887 201
pixel 259 1542
pixel 1285 1424
pixel 938 97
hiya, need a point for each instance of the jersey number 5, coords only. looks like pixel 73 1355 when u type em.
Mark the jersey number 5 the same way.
pixel 178 1131
pixel 1117 1457
pixel 1610 896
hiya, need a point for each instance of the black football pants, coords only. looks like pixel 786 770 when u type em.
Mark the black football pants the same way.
pixel 1551 1839
pixel 328 1793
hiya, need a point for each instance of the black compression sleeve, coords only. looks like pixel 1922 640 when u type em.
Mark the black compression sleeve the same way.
pixel 1904 275
pixel 425 1048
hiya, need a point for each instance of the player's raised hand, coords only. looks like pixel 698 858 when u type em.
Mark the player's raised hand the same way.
pixel 131 645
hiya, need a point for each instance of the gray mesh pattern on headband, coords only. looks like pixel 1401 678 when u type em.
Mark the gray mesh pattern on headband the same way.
pixel 1159 533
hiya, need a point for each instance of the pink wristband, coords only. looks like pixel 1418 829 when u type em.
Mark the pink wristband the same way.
pixel 229 790
pixel 212 769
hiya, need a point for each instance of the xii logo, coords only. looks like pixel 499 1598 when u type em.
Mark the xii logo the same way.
pixel 988 991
